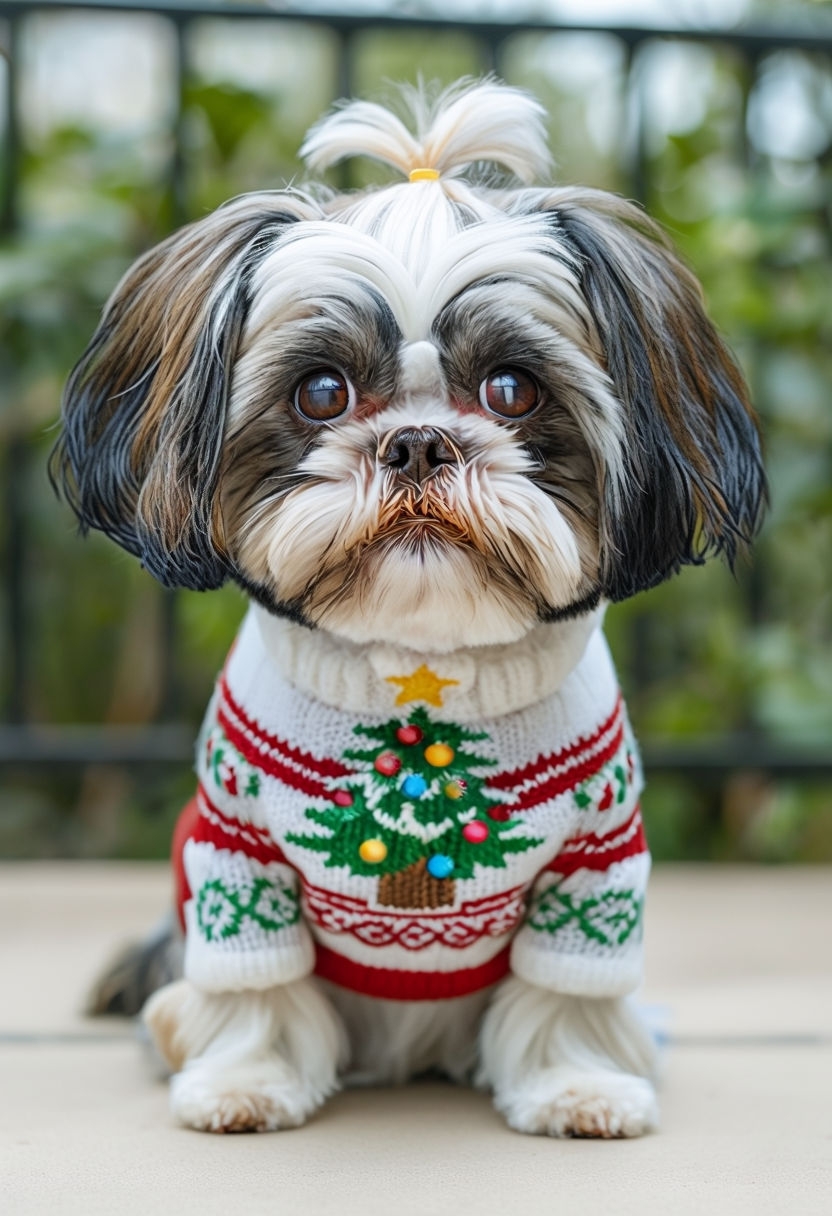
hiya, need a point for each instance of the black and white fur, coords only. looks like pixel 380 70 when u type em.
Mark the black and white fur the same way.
pixel 184 441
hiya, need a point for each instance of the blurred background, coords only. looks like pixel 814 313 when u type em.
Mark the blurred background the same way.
pixel 122 120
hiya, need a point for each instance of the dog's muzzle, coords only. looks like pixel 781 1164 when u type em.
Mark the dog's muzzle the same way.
pixel 416 453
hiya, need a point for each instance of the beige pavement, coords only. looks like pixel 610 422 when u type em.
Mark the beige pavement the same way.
pixel 739 975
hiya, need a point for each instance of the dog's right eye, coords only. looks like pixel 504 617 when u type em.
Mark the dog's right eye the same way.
pixel 508 393
pixel 324 395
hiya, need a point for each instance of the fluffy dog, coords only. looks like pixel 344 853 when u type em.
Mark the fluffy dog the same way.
pixel 430 429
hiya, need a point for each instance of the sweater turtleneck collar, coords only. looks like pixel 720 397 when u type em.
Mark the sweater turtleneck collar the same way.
pixel 462 685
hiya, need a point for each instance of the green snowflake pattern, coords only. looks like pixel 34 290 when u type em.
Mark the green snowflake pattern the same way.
pixel 609 918
pixel 222 909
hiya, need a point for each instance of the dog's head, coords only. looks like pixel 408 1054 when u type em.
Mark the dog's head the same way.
pixel 435 412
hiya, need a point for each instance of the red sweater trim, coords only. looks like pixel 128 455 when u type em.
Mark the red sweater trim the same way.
pixel 203 821
pixel 593 852
pixel 408 985
pixel 224 832
pixel 271 762
pixel 185 827
pixel 266 746
pixel 515 777
pixel 562 783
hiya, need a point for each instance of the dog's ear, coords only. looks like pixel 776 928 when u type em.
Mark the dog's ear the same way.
pixel 693 481
pixel 144 409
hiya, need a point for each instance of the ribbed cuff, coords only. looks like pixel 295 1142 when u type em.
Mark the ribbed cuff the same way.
pixel 576 974
pixel 215 969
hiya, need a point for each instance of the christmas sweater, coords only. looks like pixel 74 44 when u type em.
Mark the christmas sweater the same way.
pixel 414 827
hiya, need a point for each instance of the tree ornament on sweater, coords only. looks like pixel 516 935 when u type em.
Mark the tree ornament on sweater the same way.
pixel 417 814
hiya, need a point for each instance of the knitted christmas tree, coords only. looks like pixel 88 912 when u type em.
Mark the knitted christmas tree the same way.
pixel 416 813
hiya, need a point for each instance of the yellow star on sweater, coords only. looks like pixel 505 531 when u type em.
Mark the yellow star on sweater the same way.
pixel 421 685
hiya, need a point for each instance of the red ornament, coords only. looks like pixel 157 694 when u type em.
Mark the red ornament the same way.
pixel 388 764
pixel 475 832
pixel 606 798
pixel 342 798
pixel 408 735
pixel 500 814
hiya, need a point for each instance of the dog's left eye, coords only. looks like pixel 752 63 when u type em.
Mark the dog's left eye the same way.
pixel 324 395
pixel 509 393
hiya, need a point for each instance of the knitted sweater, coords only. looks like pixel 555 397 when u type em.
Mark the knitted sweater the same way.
pixel 414 827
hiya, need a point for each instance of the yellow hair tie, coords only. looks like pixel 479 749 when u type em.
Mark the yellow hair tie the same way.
pixel 423 175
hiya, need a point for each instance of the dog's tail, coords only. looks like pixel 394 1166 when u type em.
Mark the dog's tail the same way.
pixel 138 970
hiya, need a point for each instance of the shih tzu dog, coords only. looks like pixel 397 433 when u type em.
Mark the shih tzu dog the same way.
pixel 431 429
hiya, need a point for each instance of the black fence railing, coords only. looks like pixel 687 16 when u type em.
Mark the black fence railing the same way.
pixel 166 741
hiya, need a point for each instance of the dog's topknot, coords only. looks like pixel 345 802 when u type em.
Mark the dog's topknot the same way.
pixel 482 122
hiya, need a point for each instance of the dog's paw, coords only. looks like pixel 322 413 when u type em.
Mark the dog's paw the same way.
pixel 568 1102
pixel 263 1097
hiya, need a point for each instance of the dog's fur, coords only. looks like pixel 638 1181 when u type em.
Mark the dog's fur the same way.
pixel 184 440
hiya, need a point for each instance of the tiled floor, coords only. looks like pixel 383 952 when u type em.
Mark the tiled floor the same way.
pixel 739 978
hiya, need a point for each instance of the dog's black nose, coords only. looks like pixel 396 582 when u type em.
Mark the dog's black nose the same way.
pixel 418 451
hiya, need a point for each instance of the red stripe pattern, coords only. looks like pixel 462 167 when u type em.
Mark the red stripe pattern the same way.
pixel 274 756
pixel 562 771
pixel 594 852
pixel 224 832
pixel 397 985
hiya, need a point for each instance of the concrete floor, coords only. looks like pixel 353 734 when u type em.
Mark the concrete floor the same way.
pixel 739 976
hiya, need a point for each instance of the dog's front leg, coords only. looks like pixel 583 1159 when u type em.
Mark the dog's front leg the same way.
pixel 567 1065
pixel 246 1061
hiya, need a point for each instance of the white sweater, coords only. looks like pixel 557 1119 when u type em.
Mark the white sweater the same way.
pixel 413 826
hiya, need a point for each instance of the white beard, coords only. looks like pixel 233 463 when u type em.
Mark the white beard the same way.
pixel 515 548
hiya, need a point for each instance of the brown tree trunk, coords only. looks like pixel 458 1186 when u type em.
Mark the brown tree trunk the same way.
pixel 415 888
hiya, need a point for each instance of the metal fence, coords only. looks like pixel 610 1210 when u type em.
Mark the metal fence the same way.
pixel 169 741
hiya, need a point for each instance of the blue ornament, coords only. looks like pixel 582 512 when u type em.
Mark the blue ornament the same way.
pixel 414 786
pixel 440 866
